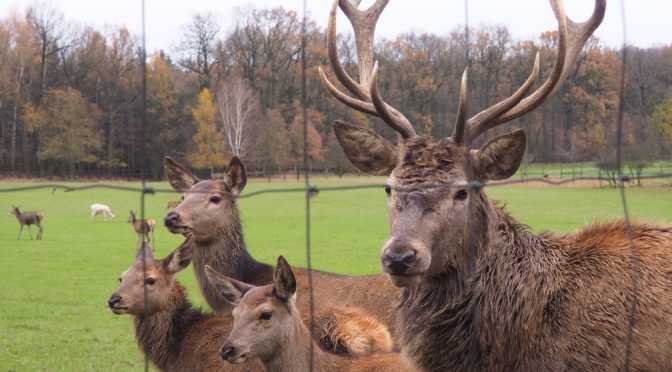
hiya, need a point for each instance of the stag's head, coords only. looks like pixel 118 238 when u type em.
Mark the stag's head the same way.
pixel 429 188
pixel 157 276
pixel 208 206
pixel 263 317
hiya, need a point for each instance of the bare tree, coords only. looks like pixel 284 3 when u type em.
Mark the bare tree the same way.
pixel 199 47
pixel 237 104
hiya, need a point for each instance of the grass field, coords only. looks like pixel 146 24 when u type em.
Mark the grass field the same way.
pixel 53 313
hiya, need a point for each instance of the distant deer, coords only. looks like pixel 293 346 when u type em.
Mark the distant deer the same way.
pixel 482 292
pixel 172 204
pixel 28 218
pixel 209 211
pixel 143 227
pixel 102 209
pixel 268 326
pixel 173 334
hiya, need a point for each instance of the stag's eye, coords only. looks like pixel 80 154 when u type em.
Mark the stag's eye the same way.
pixel 461 194
pixel 388 190
pixel 119 280
pixel 215 199
pixel 150 281
pixel 266 315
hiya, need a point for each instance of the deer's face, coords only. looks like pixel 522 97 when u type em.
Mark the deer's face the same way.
pixel 260 326
pixel 208 206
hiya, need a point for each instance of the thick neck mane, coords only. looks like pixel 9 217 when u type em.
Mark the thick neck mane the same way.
pixel 160 334
pixel 227 254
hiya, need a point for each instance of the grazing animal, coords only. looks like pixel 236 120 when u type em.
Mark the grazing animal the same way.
pixel 29 218
pixel 482 292
pixel 143 227
pixel 173 334
pixel 172 204
pixel 267 325
pixel 209 211
pixel 103 209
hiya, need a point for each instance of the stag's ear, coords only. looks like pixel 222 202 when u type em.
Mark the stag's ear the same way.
pixel 365 149
pixel 145 251
pixel 181 257
pixel 231 289
pixel 236 178
pixel 284 282
pixel 500 157
pixel 178 176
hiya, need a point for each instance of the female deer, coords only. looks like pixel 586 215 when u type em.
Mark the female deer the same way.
pixel 267 325
pixel 28 218
pixel 209 211
pixel 143 227
pixel 482 292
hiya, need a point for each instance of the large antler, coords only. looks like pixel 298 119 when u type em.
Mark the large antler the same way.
pixel 571 39
pixel 368 98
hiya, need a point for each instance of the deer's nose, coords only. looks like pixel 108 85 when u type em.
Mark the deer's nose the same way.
pixel 171 219
pixel 398 261
pixel 113 301
pixel 227 352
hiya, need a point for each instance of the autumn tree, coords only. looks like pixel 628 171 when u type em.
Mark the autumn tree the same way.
pixel 67 127
pixel 198 47
pixel 209 152
pixel 661 118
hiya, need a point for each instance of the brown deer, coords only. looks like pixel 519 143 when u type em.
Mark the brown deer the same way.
pixel 482 292
pixel 173 334
pixel 209 211
pixel 143 227
pixel 172 204
pixel 268 326
pixel 28 218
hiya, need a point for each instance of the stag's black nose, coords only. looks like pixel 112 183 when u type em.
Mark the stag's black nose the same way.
pixel 398 263
pixel 113 301
pixel 227 352
pixel 171 219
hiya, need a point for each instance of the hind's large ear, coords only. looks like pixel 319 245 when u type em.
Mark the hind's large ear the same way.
pixel 236 178
pixel 181 257
pixel 178 176
pixel 284 281
pixel 365 149
pixel 144 252
pixel 500 157
pixel 232 290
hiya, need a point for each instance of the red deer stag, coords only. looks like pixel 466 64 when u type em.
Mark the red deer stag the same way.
pixel 209 211
pixel 143 227
pixel 29 218
pixel 173 334
pixel 268 326
pixel 482 292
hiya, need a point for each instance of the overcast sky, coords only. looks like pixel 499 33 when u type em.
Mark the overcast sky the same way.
pixel 648 22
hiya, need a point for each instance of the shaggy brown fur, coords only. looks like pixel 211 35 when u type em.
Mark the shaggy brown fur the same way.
pixel 281 340
pixel 210 212
pixel 351 330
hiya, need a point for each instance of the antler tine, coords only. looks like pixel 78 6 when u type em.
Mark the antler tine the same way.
pixel 391 116
pixel 458 131
pixel 572 37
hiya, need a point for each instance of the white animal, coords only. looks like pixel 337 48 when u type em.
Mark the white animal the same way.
pixel 102 209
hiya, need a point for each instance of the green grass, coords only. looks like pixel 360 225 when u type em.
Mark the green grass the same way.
pixel 53 313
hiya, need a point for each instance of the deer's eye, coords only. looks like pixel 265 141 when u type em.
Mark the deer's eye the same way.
pixel 119 280
pixel 461 194
pixel 388 190
pixel 266 315
pixel 150 281
pixel 215 199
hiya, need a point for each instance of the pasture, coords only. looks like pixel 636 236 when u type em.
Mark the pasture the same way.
pixel 53 312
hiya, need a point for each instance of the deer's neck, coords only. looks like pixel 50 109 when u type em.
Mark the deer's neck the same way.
pixel 227 254
pixel 160 334
pixel 294 350
pixel 485 316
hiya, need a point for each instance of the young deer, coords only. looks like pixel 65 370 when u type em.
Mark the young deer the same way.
pixel 209 211
pixel 482 292
pixel 28 218
pixel 102 209
pixel 173 334
pixel 268 326
pixel 144 228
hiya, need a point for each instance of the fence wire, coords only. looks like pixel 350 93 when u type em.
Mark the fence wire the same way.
pixel 620 179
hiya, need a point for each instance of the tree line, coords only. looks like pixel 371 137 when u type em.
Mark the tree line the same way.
pixel 71 96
